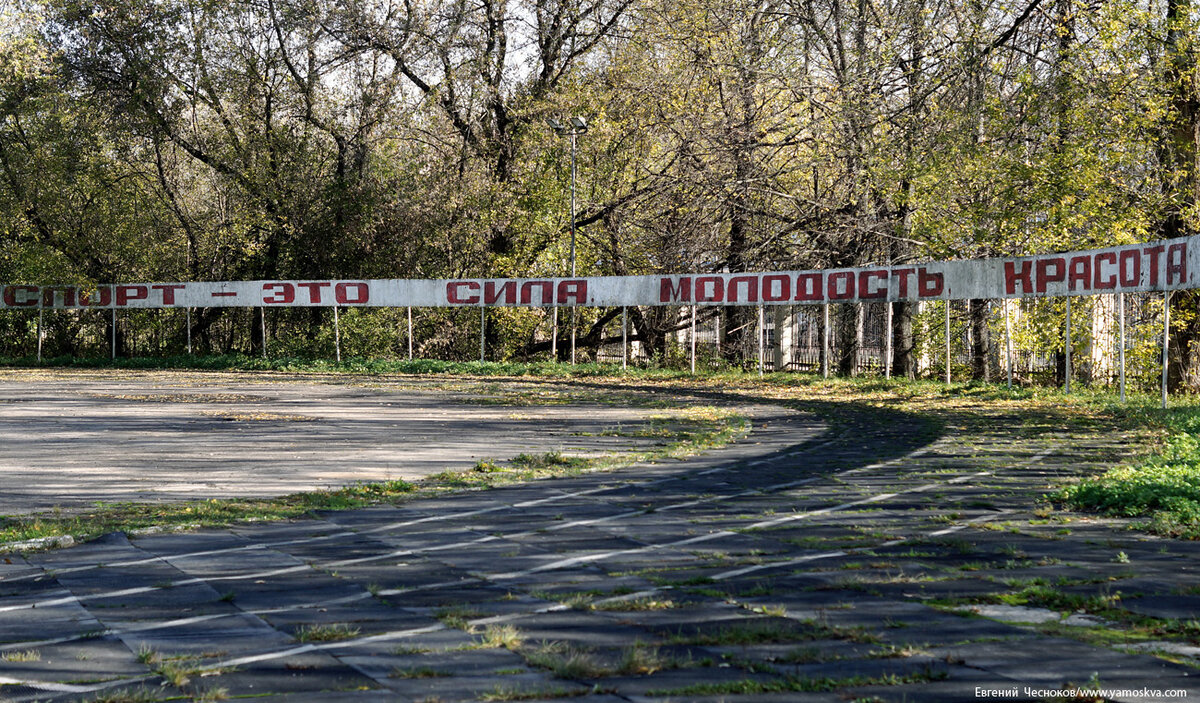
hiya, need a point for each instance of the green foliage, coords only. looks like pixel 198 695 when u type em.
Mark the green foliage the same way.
pixel 157 141
pixel 1164 488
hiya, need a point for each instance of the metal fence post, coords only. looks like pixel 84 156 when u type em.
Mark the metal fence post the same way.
pixel 947 341
pixel 887 342
pixel 825 340
pixel 1166 343
pixel 337 334
pixel 1008 341
pixel 762 331
pixel 693 339
pixel 624 338
pixel 1121 332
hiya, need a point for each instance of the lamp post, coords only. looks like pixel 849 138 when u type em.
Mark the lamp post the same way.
pixel 577 127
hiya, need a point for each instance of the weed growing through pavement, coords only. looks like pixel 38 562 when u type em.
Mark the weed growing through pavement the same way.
pixel 326 633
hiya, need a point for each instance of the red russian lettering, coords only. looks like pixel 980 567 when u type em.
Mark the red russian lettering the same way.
pixel 670 292
pixel 902 276
pixel 168 291
pixel 810 286
pixel 864 285
pixel 1012 276
pixel 1153 252
pixel 1104 280
pixel 29 300
pixel 769 288
pixel 545 292
pixel 455 297
pixel 1079 273
pixel 356 293
pixel 1177 263
pixel 128 293
pixel 576 290
pixel 1130 268
pixel 929 284
pixel 1045 277
pixel 731 289
pixel 314 290
pixel 491 293
pixel 281 293
pixel 716 295
pixel 846 278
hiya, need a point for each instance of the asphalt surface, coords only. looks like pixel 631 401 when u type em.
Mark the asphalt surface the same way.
pixel 809 562
pixel 74 439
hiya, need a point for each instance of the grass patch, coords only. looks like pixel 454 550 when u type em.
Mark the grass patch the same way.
pixel 127 695
pixel 325 633
pixel 802 684
pixel 565 661
pixel 500 637
pixel 645 603
pixel 513 693
pixel 457 617
pixel 741 634
pixel 1164 488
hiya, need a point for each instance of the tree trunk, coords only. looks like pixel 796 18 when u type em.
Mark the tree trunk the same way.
pixel 981 341
pixel 1179 155
pixel 850 331
pixel 904 357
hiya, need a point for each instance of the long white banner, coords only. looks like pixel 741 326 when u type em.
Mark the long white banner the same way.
pixel 1158 266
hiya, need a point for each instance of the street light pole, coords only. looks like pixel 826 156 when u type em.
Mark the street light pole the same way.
pixel 573 308
pixel 577 127
pixel 573 136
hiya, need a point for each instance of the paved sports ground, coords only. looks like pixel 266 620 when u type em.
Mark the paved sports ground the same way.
pixel 836 551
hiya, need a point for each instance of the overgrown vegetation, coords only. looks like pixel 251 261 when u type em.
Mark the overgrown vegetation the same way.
pixel 1164 488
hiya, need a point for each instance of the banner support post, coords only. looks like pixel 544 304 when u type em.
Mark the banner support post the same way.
pixel 262 318
pixel 693 339
pixel 1068 361
pixel 482 327
pixel 1166 343
pixel 624 338
pixel 554 336
pixel 825 340
pixel 337 334
pixel 410 341
pixel 947 341
pixel 188 322
pixel 114 331
pixel 887 343
pixel 574 311
pixel 40 311
pixel 1121 332
pixel 1008 341
pixel 762 331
